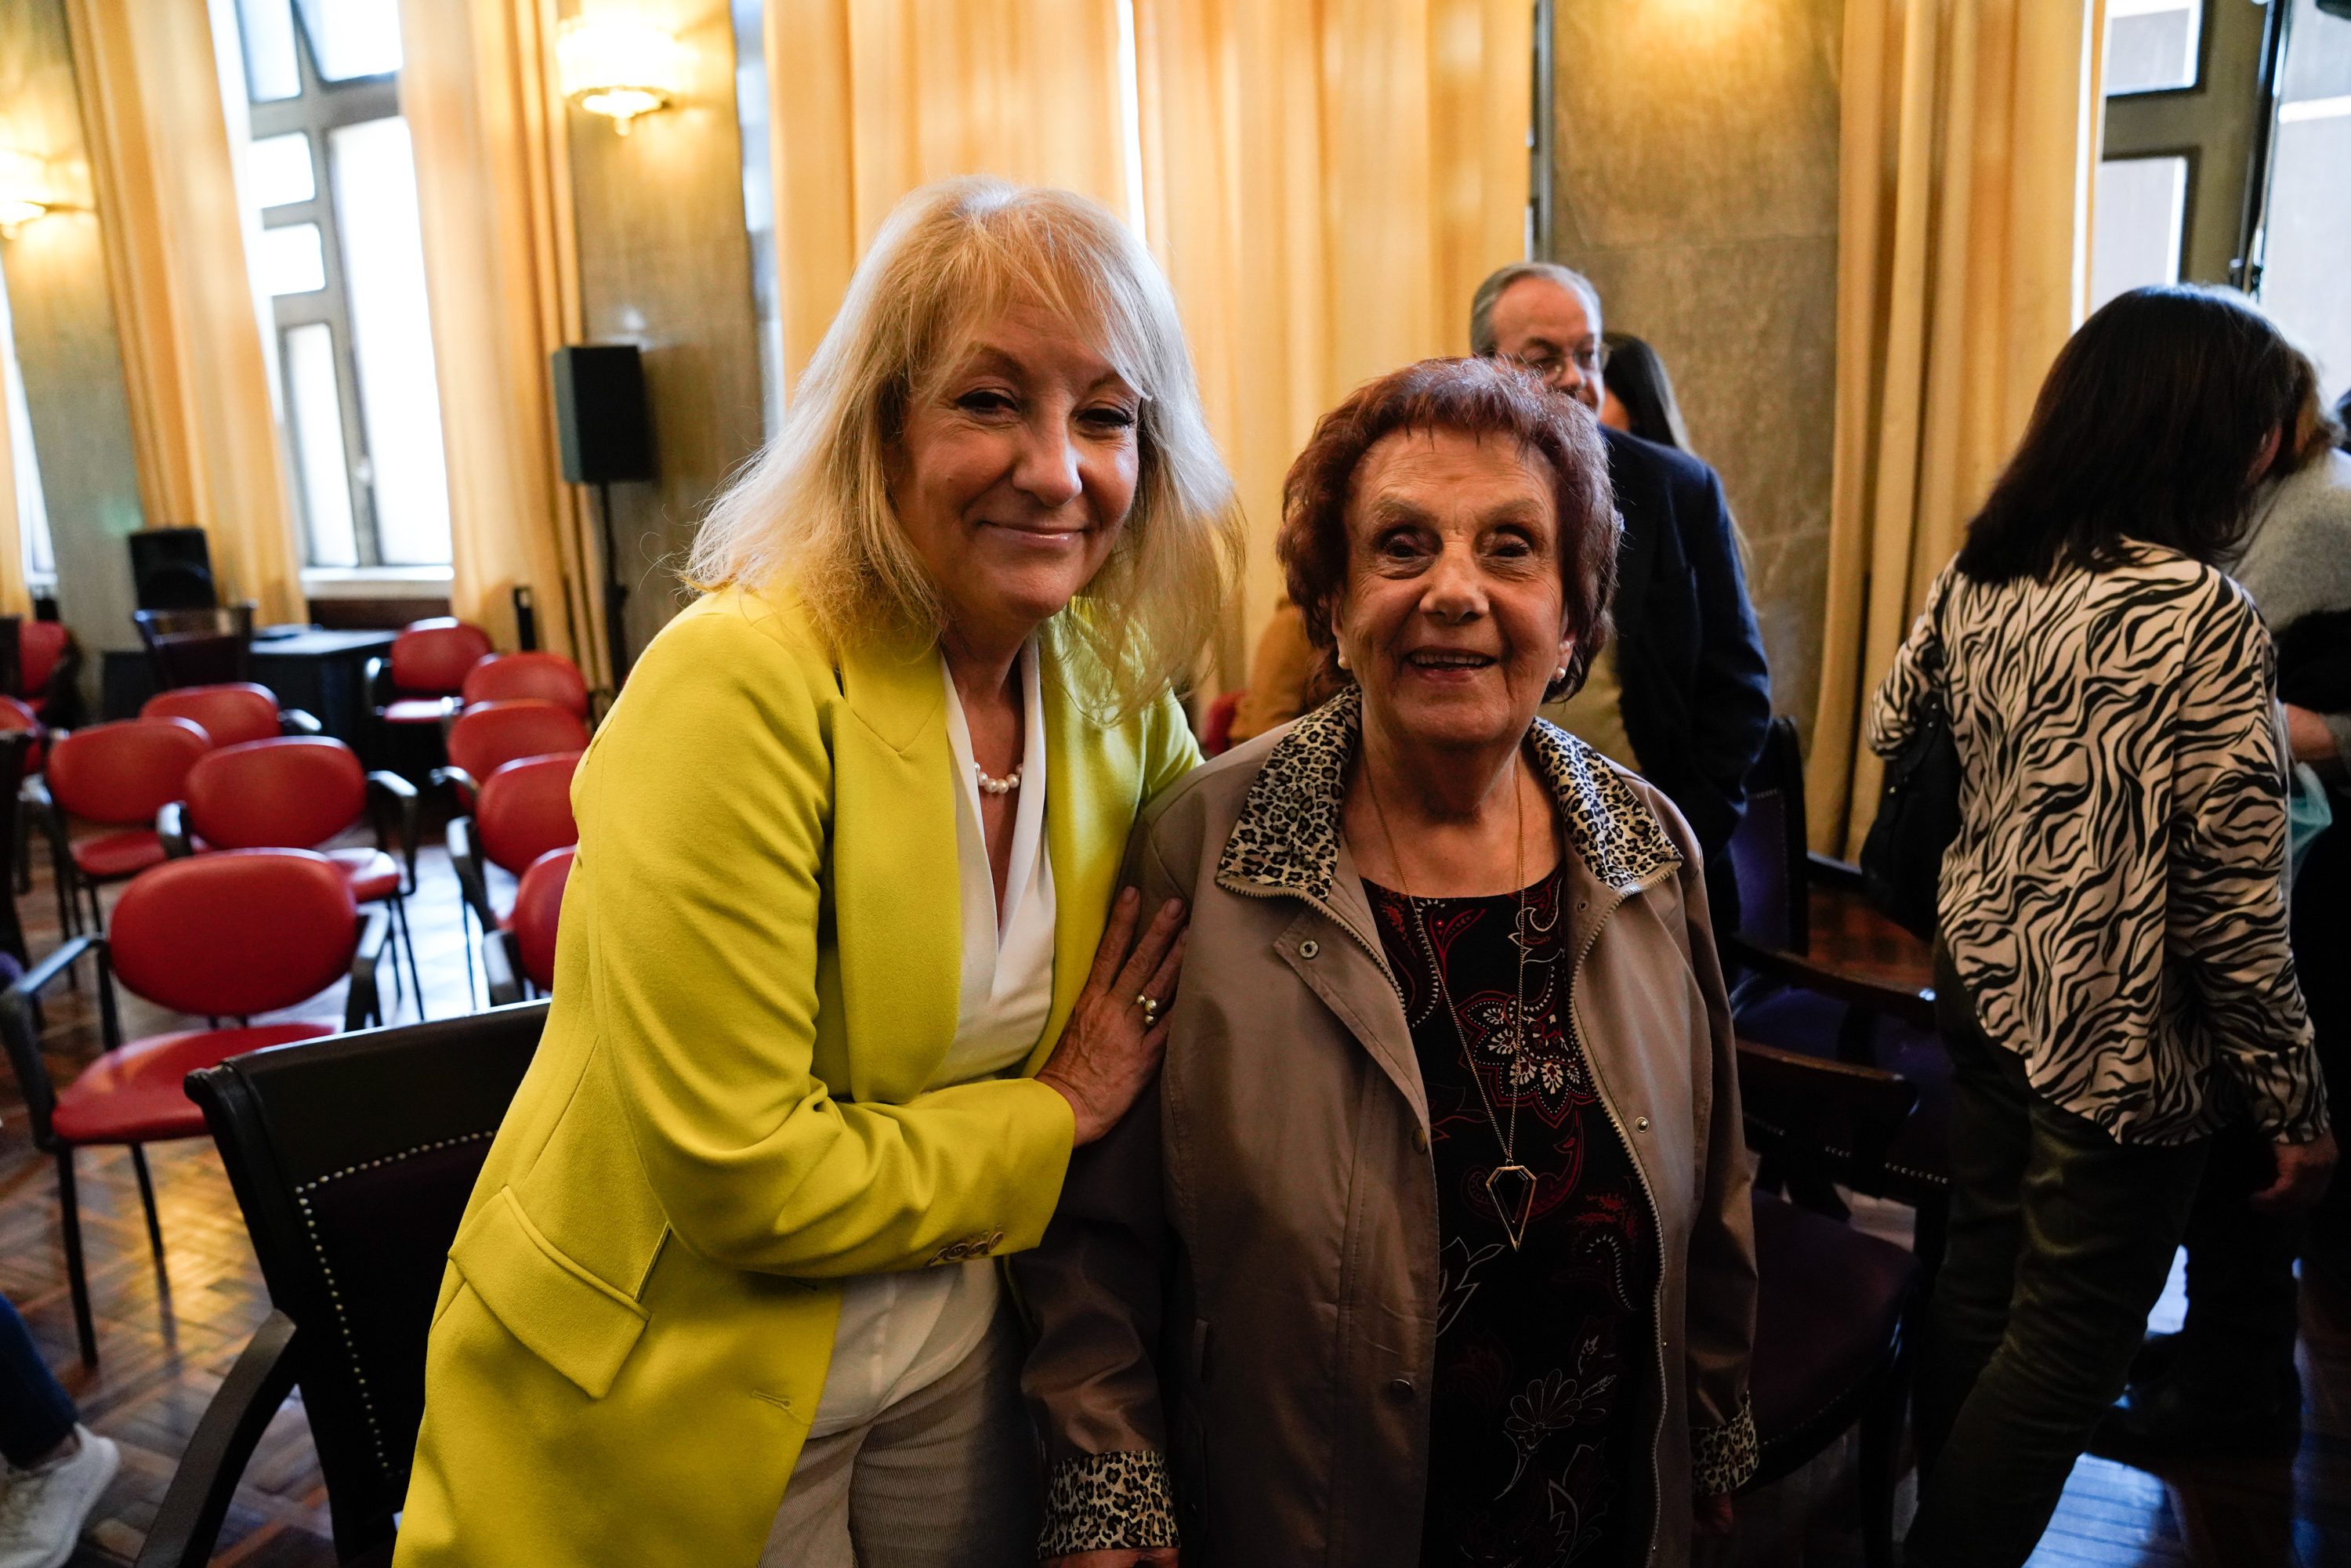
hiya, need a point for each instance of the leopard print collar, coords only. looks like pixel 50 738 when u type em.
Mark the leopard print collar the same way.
pixel 1287 839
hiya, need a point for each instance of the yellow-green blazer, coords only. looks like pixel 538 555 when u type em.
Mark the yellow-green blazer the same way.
pixel 758 970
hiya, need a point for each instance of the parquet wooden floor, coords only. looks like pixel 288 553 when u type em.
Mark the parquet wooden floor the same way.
pixel 164 1346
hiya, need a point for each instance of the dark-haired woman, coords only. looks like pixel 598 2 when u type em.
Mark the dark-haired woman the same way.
pixel 1433 1245
pixel 1637 396
pixel 2113 977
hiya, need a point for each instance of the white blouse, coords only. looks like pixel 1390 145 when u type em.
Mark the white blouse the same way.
pixel 900 1332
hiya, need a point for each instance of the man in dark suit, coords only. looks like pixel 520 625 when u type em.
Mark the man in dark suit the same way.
pixel 1686 698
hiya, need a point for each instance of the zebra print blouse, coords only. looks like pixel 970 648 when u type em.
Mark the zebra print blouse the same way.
pixel 2114 898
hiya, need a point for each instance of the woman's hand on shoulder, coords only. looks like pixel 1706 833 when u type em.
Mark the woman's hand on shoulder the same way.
pixel 1113 1042
pixel 1123 1557
pixel 2303 1171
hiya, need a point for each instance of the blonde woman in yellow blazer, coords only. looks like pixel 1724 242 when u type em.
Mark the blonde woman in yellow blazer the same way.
pixel 779 1119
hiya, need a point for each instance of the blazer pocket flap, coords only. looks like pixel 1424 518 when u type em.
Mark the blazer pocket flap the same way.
pixel 563 1314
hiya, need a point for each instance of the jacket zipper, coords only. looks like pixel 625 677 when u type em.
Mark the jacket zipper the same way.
pixel 1657 1218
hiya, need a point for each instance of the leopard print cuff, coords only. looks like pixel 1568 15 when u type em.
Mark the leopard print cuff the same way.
pixel 1722 1457
pixel 1106 1502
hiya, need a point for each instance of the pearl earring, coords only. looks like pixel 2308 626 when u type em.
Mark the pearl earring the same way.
pixel 1343 661
pixel 1560 674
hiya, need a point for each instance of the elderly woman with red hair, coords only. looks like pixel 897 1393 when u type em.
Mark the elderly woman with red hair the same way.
pixel 1432 1244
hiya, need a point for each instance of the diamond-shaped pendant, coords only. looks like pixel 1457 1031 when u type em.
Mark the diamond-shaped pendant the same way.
pixel 1522 1200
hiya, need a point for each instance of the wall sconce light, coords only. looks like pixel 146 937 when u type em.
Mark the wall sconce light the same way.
pixel 25 190
pixel 619 64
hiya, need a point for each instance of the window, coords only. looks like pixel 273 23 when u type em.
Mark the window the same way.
pixel 2151 44
pixel 2142 203
pixel 2301 277
pixel 341 258
pixel 32 509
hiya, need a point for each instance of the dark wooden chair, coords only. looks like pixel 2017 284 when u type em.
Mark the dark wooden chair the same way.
pixel 1819 973
pixel 1834 1307
pixel 198 647
pixel 352 1158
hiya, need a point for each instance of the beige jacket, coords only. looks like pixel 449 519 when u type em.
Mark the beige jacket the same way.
pixel 1237 1303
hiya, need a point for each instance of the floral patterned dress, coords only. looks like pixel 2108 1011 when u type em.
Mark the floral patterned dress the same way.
pixel 1543 1352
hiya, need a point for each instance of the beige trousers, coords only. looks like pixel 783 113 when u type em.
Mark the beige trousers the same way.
pixel 947 1478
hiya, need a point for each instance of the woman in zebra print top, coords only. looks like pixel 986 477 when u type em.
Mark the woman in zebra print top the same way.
pixel 2113 977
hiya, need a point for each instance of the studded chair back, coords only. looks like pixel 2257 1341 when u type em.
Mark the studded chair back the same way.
pixel 352 1158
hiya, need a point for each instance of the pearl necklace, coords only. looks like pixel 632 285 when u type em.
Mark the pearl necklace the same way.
pixel 1004 786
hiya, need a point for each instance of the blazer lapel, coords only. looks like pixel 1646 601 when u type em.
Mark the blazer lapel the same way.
pixel 1093 787
pixel 897 914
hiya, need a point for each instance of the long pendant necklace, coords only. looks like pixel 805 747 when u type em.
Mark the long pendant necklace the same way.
pixel 1510 1174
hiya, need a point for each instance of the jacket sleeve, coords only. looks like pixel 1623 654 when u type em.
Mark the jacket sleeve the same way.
pixel 2225 905
pixel 1094 1292
pixel 1730 703
pixel 1719 1313
pixel 704 808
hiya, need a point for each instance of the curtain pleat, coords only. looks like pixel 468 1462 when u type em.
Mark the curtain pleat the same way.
pixel 1326 185
pixel 193 357
pixel 1969 142
pixel 502 273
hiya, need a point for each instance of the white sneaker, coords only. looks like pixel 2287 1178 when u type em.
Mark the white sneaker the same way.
pixel 41 1512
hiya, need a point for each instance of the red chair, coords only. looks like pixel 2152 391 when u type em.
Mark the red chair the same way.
pixel 519 961
pixel 427 667
pixel 487 736
pixel 523 810
pixel 49 671
pixel 116 774
pixel 551 676
pixel 296 792
pixel 232 712
pixel 221 937
pixel 17 715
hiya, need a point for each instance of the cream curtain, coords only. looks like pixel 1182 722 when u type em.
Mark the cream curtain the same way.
pixel 16 599
pixel 201 416
pixel 1970 132
pixel 502 273
pixel 1326 185
pixel 872 98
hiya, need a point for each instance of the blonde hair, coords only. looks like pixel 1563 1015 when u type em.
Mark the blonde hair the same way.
pixel 814 511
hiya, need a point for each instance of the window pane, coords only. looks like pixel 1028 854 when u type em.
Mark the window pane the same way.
pixel 270 72
pixel 2151 44
pixel 353 37
pixel 2304 282
pixel 391 332
pixel 32 508
pixel 290 261
pixel 322 467
pixel 2135 240
pixel 278 169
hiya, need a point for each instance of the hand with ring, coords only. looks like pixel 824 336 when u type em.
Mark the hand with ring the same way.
pixel 1117 1032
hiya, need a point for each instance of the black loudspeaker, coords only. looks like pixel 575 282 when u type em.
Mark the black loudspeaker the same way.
pixel 600 408
pixel 172 569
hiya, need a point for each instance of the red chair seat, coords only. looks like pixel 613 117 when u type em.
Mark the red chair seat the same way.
pixel 132 1095
pixel 109 856
pixel 413 710
pixel 373 874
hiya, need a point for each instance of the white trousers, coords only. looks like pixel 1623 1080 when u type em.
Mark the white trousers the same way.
pixel 946 1478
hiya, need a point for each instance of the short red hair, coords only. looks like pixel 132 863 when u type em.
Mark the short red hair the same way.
pixel 1480 398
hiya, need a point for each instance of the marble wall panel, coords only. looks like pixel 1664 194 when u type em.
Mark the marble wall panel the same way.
pixel 66 339
pixel 665 263
pixel 1697 159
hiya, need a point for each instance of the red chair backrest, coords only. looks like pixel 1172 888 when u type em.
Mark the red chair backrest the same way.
pixel 126 771
pixel 232 713
pixel 548 675
pixel 525 809
pixel 231 934
pixel 432 656
pixel 16 714
pixel 487 736
pixel 538 907
pixel 39 646
pixel 289 793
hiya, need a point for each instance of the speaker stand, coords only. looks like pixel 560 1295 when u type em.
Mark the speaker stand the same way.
pixel 616 594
